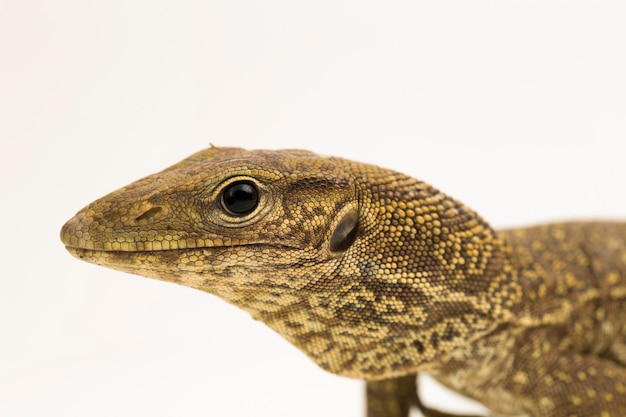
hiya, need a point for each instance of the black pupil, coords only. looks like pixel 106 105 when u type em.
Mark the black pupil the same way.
pixel 240 198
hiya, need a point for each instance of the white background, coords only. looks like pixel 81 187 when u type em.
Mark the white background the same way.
pixel 517 108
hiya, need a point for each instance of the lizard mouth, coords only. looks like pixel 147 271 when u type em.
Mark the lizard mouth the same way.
pixel 154 248
pixel 195 267
pixel 190 267
pixel 166 251
pixel 169 254
pixel 71 238
pixel 76 236
pixel 130 260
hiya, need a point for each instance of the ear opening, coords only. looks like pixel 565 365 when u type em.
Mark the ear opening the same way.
pixel 345 232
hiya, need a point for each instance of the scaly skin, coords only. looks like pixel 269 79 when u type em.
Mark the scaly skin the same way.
pixel 379 276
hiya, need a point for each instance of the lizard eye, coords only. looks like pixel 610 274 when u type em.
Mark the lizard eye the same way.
pixel 240 198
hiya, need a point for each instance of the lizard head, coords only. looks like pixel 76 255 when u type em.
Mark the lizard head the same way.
pixel 371 273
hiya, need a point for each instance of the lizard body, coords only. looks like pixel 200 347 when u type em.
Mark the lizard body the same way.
pixel 379 276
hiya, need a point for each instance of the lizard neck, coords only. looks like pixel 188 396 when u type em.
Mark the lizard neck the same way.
pixel 426 276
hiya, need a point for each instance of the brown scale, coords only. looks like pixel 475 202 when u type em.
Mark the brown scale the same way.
pixel 379 276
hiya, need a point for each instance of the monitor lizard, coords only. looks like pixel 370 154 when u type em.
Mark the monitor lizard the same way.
pixel 379 276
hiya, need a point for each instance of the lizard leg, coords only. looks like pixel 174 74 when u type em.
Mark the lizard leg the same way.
pixel 391 397
pixel 394 398
pixel 433 412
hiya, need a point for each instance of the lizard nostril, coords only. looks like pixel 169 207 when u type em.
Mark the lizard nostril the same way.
pixel 149 214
